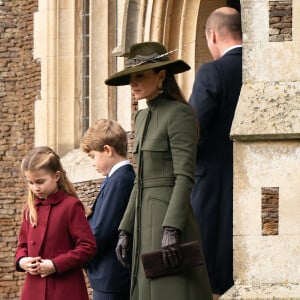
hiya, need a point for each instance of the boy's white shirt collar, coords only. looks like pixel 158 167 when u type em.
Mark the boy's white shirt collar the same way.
pixel 118 165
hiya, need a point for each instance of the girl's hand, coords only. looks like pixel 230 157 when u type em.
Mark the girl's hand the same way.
pixel 31 265
pixel 46 268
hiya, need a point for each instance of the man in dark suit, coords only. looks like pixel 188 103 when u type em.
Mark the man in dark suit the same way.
pixel 214 97
pixel 106 143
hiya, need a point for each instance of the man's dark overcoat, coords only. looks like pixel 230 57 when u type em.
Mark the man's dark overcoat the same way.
pixel 165 152
pixel 63 235
pixel 214 97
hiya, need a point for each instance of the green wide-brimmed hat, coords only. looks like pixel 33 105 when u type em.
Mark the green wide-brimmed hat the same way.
pixel 146 56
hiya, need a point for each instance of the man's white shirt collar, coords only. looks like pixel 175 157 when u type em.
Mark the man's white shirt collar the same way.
pixel 233 47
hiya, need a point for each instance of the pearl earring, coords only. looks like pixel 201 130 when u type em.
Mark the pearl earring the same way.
pixel 160 88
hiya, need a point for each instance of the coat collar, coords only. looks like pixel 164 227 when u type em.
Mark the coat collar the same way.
pixel 234 50
pixel 54 199
pixel 156 101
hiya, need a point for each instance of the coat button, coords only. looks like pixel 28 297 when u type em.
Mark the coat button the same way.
pixel 32 242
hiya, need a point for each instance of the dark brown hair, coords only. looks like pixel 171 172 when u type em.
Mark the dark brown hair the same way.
pixel 170 86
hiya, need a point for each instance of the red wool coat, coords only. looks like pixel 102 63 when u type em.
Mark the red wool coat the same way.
pixel 63 235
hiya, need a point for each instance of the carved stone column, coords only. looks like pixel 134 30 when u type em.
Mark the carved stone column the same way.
pixel 266 132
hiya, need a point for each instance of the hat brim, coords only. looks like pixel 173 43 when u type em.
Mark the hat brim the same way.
pixel 123 77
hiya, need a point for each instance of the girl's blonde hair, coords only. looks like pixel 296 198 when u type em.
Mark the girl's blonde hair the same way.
pixel 44 158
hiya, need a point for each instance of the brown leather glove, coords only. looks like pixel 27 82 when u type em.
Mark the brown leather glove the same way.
pixel 171 250
pixel 122 249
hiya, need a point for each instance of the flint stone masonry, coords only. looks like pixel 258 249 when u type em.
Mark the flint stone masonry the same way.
pixel 269 210
pixel 266 267
pixel 280 19
pixel 20 83
pixel 19 86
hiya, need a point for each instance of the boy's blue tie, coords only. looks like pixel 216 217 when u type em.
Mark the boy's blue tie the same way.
pixel 104 182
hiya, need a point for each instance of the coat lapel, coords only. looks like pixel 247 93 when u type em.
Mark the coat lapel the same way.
pixel 100 192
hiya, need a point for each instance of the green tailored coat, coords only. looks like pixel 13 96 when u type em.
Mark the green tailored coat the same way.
pixel 165 153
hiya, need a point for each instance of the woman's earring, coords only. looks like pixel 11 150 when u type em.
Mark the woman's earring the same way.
pixel 160 88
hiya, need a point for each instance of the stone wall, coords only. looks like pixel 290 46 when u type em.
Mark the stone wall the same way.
pixel 266 132
pixel 19 86
pixel 280 19
pixel 19 89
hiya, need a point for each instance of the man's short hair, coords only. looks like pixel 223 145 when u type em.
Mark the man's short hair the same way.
pixel 225 23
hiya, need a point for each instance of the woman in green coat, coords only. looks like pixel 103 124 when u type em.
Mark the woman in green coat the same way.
pixel 159 213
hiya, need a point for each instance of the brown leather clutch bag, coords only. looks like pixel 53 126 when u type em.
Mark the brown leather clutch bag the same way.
pixel 154 265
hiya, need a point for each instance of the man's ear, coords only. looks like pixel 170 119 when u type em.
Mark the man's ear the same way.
pixel 214 36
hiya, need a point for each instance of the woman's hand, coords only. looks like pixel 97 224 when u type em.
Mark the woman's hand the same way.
pixel 30 265
pixel 170 245
pixel 46 268
pixel 122 249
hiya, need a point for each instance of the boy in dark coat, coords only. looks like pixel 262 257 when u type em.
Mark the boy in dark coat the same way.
pixel 106 143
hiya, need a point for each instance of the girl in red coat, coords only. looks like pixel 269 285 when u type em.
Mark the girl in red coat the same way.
pixel 55 238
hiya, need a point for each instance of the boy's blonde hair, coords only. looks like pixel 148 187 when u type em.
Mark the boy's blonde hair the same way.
pixel 44 158
pixel 105 132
